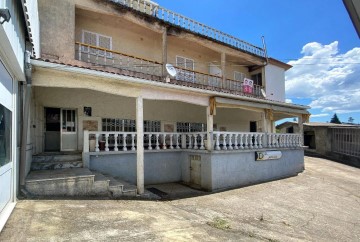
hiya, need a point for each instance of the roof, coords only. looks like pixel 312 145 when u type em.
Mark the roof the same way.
pixel 279 63
pixel 286 124
pixel 175 20
pixel 353 8
pixel 173 82
pixel 320 124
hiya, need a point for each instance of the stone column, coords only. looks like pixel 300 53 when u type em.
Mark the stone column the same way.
pixel 301 128
pixel 223 69
pixel 164 52
pixel 140 145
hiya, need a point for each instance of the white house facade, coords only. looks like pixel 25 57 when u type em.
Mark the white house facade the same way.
pixel 103 98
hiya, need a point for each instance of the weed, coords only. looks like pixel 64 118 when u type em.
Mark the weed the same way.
pixel 219 223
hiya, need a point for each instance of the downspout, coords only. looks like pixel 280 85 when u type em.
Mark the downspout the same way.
pixel 25 121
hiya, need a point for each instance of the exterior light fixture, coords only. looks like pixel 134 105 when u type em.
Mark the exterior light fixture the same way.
pixel 5 15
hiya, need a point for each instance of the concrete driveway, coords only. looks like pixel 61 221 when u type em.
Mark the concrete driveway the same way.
pixel 321 204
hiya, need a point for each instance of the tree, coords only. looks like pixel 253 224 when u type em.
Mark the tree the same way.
pixel 351 120
pixel 335 119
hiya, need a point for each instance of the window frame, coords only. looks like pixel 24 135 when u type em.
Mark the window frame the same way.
pixel 83 49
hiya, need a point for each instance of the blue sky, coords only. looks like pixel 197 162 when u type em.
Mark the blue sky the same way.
pixel 315 36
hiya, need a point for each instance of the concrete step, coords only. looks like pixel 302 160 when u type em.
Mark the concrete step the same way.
pixel 119 188
pixel 57 157
pixel 101 185
pixel 129 190
pixel 52 165
pixel 60 182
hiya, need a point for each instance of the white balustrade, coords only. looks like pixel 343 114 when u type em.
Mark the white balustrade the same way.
pixel 111 141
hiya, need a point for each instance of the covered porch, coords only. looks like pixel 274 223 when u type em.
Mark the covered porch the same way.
pixel 149 136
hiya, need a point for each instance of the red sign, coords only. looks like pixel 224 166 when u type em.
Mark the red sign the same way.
pixel 248 86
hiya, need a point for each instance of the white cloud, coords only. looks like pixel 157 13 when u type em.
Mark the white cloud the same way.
pixel 330 79
pixel 288 100
pixel 319 115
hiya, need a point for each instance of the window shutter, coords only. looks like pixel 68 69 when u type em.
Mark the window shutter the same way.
pixel 180 62
pixel 90 39
pixel 104 42
pixel 189 64
pixel 239 76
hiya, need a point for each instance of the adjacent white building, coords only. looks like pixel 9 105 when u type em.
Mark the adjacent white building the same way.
pixel 16 35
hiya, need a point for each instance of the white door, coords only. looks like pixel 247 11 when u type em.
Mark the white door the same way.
pixel 195 170
pixel 68 130
pixel 6 140
pixel 6 163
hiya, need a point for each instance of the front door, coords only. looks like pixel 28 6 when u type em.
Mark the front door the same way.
pixel 68 130
pixel 52 129
pixel 195 170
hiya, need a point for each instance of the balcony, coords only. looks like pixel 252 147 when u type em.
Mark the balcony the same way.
pixel 181 21
pixel 101 57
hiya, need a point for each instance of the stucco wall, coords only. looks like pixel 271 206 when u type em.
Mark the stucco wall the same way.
pixel 57 35
pixel 126 37
pixel 159 167
pixel 219 169
pixel 275 83
pixel 241 169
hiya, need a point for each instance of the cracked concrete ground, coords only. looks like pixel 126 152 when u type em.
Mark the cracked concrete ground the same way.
pixel 320 204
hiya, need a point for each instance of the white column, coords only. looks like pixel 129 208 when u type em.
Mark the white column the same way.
pixel 210 129
pixel 301 129
pixel 140 145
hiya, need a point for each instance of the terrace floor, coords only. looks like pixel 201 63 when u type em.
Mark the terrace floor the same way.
pixel 320 204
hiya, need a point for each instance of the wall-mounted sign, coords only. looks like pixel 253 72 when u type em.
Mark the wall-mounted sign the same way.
pixel 268 155
pixel 248 85
pixel 87 111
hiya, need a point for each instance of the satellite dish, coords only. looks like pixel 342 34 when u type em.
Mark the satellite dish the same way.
pixel 263 92
pixel 171 70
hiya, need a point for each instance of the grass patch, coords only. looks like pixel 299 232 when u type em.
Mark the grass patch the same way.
pixel 219 223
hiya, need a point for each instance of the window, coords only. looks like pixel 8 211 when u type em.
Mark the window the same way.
pixel 97 40
pixel 257 78
pixel 128 125
pixel 152 126
pixel 187 64
pixel 68 121
pixel 5 135
pixel 239 76
pixel 118 125
pixel 185 127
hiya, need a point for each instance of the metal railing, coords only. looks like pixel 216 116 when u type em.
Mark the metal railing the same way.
pixel 110 58
pixel 184 22
pixel 105 57
pixel 346 141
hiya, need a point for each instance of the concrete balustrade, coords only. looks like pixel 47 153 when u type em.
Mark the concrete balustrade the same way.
pixel 125 141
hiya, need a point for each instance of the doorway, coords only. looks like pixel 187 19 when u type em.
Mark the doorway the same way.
pixel 60 130
pixel 52 129
pixel 195 170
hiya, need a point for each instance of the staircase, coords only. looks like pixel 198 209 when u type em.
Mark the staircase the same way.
pixel 62 174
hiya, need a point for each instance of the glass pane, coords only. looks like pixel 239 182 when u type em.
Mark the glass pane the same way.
pixel 5 136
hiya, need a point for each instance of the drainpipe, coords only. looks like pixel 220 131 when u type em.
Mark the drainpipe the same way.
pixel 25 121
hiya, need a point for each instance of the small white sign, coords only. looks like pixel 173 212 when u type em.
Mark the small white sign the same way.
pixel 268 155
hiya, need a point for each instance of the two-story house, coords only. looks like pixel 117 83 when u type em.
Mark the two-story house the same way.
pixel 150 96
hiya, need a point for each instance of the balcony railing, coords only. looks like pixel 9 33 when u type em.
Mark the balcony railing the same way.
pixel 126 141
pixel 191 25
pixel 105 57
